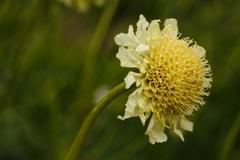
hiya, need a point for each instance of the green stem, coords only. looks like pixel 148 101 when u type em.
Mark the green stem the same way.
pixel 96 42
pixel 231 138
pixel 88 122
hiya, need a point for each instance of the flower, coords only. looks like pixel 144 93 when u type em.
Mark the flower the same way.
pixel 172 79
pixel 83 5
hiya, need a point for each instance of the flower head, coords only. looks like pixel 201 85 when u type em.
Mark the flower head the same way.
pixel 172 79
pixel 83 5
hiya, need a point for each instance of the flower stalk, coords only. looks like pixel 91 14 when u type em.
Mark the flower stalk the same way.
pixel 90 119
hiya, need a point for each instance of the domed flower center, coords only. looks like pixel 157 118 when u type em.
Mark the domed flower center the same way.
pixel 174 77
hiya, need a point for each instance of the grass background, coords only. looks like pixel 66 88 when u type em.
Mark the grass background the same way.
pixel 44 99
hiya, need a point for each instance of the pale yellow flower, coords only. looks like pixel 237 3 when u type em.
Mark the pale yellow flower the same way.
pixel 83 5
pixel 172 79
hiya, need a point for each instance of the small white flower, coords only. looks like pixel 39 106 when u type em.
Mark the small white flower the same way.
pixel 173 77
pixel 82 5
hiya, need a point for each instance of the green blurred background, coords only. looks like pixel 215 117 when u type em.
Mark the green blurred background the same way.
pixel 50 78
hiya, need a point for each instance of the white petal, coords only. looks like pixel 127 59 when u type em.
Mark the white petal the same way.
pixel 155 131
pixel 142 47
pixel 142 26
pixel 144 116
pixel 128 58
pixel 124 40
pixel 127 40
pixel 154 28
pixel 132 34
pixel 179 133
pixel 186 124
pixel 170 27
pixel 199 50
pixel 131 78
pixel 144 107
pixel 143 67
pixel 131 109
pixel 142 102
pixel 132 101
pixel 122 117
pixel 188 113
pixel 176 130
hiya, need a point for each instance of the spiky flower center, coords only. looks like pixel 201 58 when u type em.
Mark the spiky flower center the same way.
pixel 174 77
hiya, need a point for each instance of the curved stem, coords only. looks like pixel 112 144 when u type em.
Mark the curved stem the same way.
pixel 88 122
pixel 231 138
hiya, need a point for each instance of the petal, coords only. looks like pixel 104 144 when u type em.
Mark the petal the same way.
pixel 142 26
pixel 179 133
pixel 144 65
pixel 131 109
pixel 154 28
pixel 142 102
pixel 127 40
pixel 155 131
pixel 124 40
pixel 144 107
pixel 188 113
pixel 170 27
pixel 199 50
pixel 142 47
pixel 176 130
pixel 144 116
pixel 132 34
pixel 186 124
pixel 128 58
pixel 132 101
pixel 131 78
